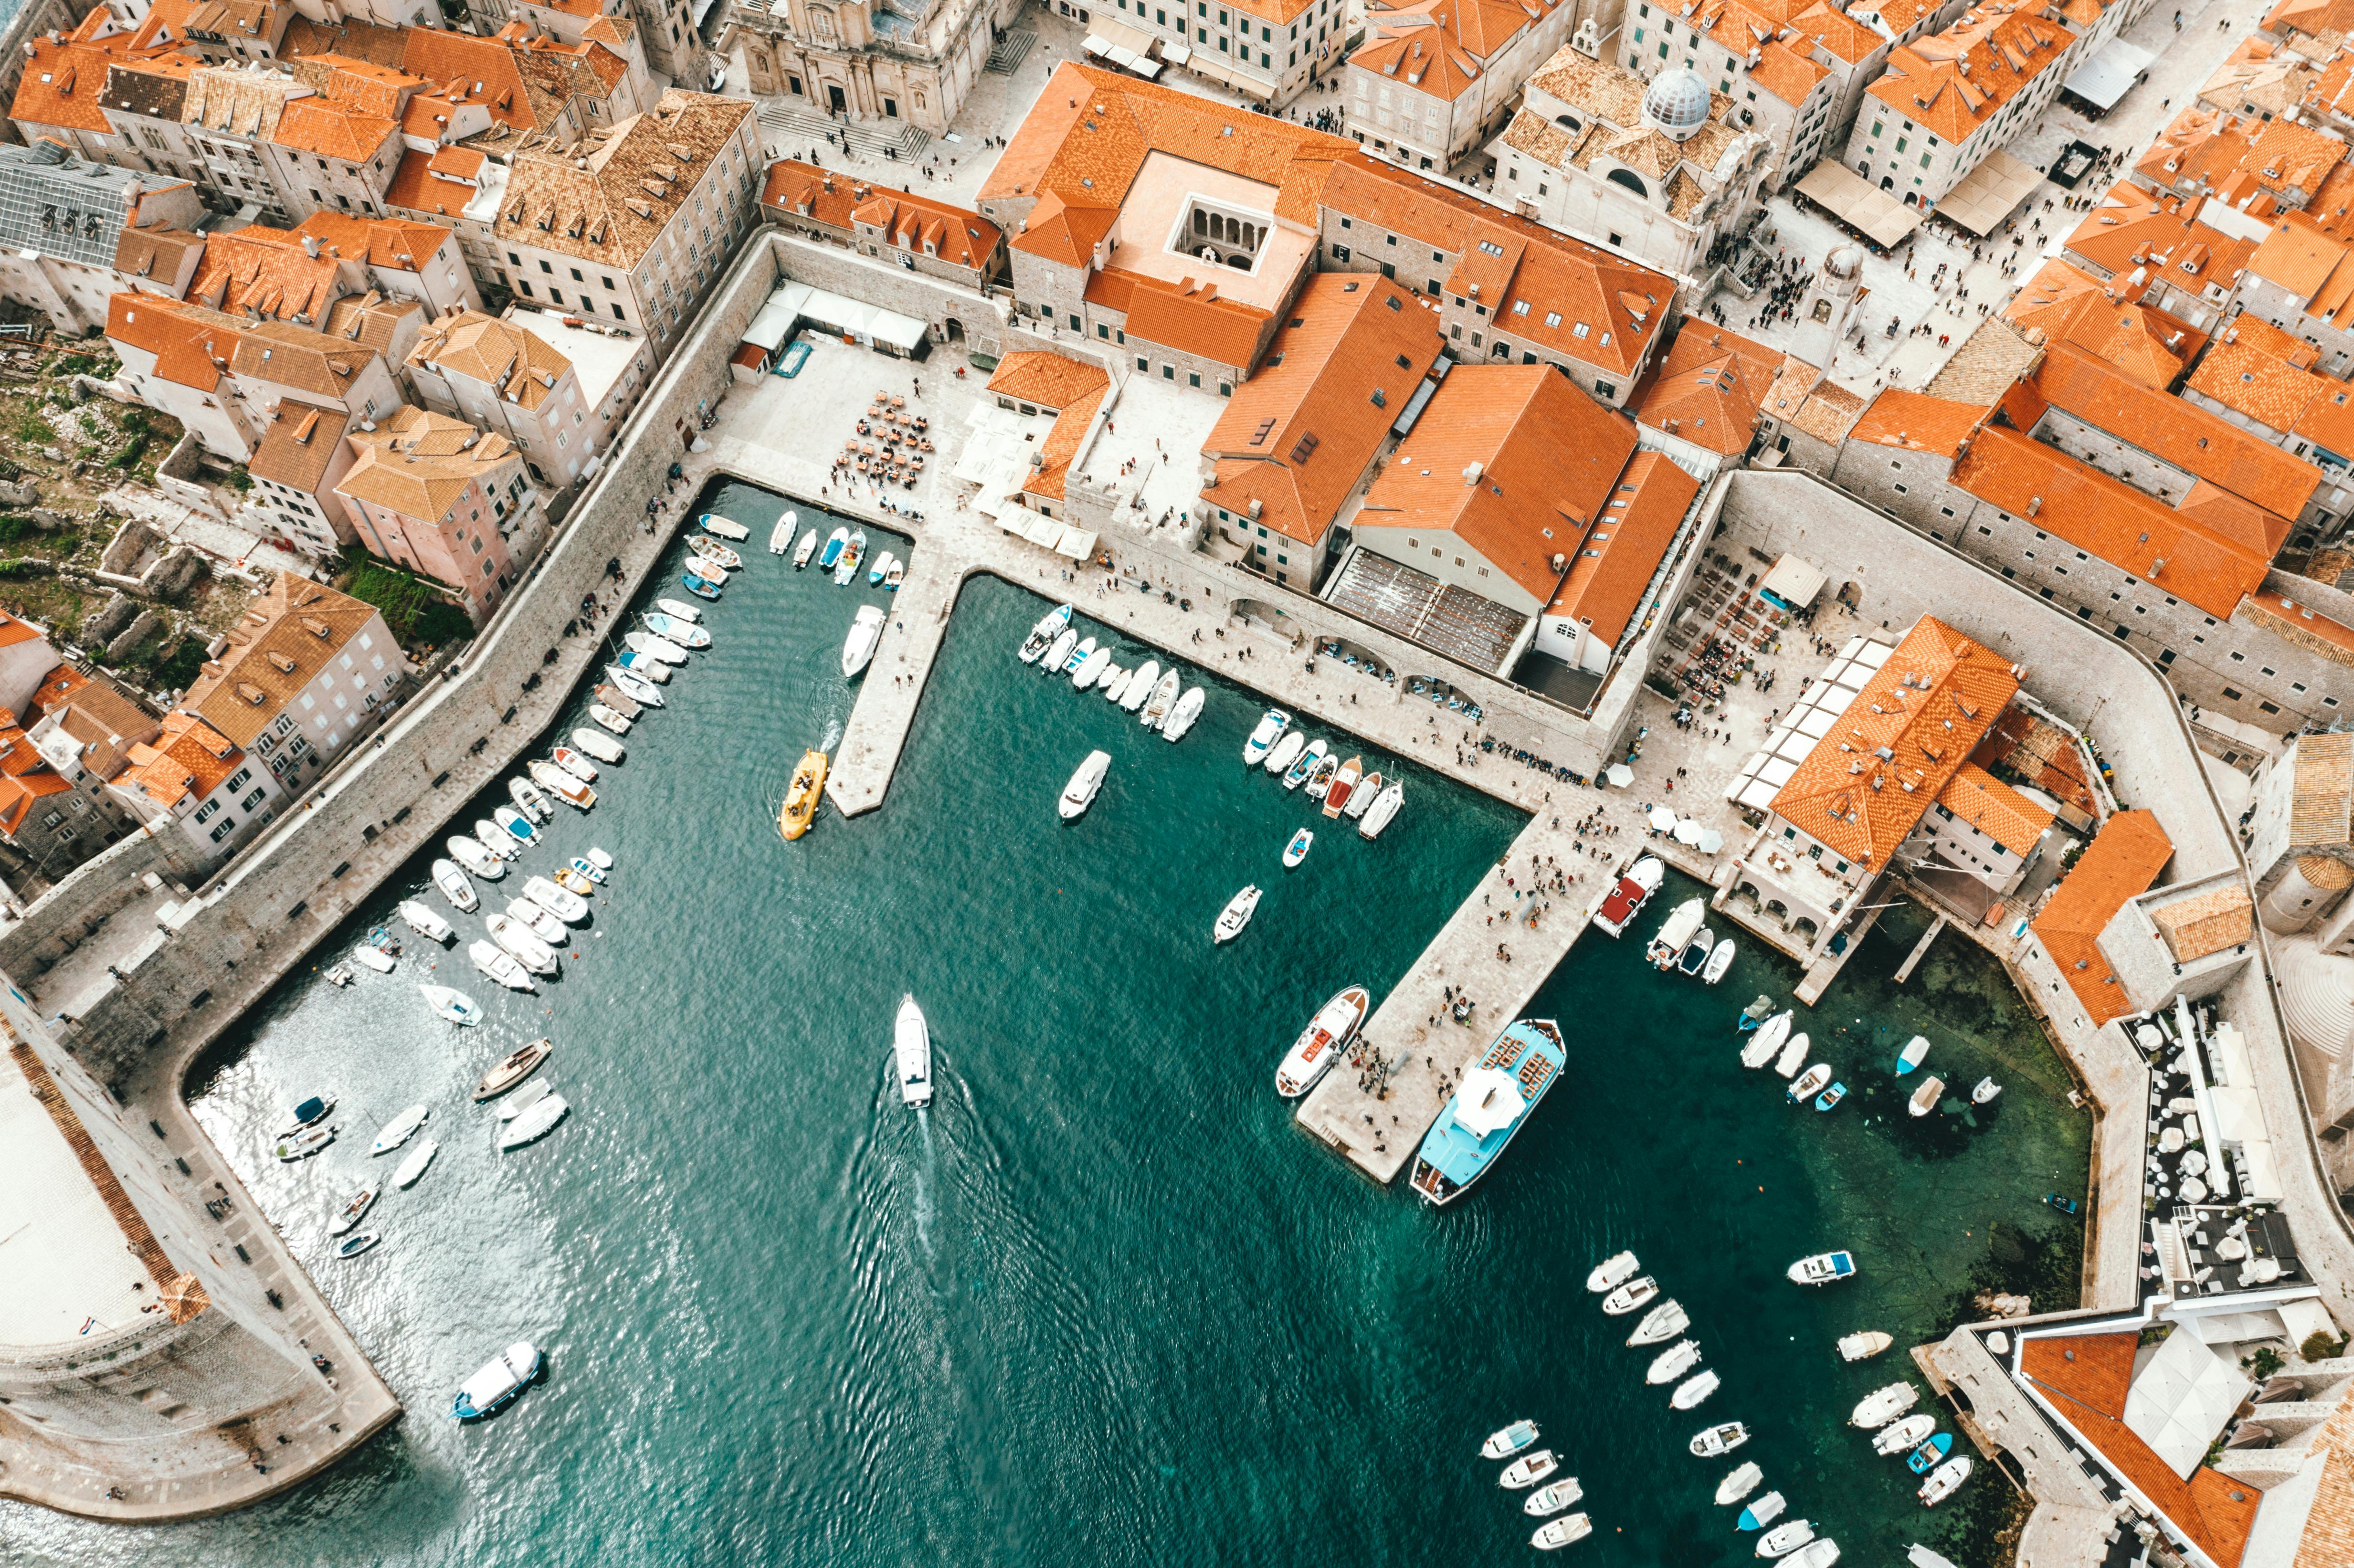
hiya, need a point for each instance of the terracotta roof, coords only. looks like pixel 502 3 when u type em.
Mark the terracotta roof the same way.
pixel 192 348
pixel 1786 73
pixel 2187 437
pixel 1614 564
pixel 1429 55
pixel 2206 922
pixel 2086 1377
pixel 1916 422
pixel 265 270
pixel 522 367
pixel 395 244
pixel 1908 731
pixel 2106 321
pixel 1296 436
pixel 1829 412
pixel 300 445
pixel 285 638
pixel 2119 865
pixel 1994 808
pixel 418 463
pixel 64 82
pixel 307 360
pixel 2314 266
pixel 635 183
pixel 1709 388
pixel 187 761
pixel 1074 389
pixel 21 792
pixel 1191 317
pixel 155 252
pixel 2262 372
pixel 331 130
pixel 2005 48
pixel 2132 229
pixel 1549 458
pixel 1837 34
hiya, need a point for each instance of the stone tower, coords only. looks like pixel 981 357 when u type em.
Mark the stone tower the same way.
pixel 1828 310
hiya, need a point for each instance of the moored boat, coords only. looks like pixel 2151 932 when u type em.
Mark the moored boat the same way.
pixel 1181 717
pixel 1897 1436
pixel 303 1143
pixel 425 923
pixel 1711 1441
pixel 1159 701
pixel 1768 1040
pixel 1985 1090
pixel 1931 1453
pixel 801 796
pixel 1323 1042
pixel 1667 946
pixel 642 665
pixel 534 1123
pixel 1528 1470
pixel 1696 951
pixel 1821 1553
pixel 1738 1485
pixel 1343 785
pixel 780 537
pixel 354 1209
pixel 1361 796
pixel 518 826
pixel 413 1168
pixel 512 1069
pixel 1285 753
pixel 1320 780
pixel 1065 641
pixel 728 528
pixel 1719 961
pixel 1297 850
pixel 566 906
pixel 1556 1533
pixel 1554 1497
pixel 1822 1268
pixel 616 700
pixel 1085 780
pixel 1312 757
pixel 1077 659
pixel 1692 1391
pixel 400 1129
pixel 373 958
pixel 1626 899
pixel 1864 1345
pixel 537 921
pixel 654 646
pixel 1673 1362
pixel 1916 1049
pixel 1632 1296
pixel 572 880
pixel 599 745
pixel 1794 1051
pixel 1660 1324
pixel 1785 1539
pixel 352 1246
pixel 1611 1272
pixel 1235 915
pixel 1925 1098
pixel 517 939
pixel 1761 1511
pixel 835 543
pixel 1491 1103
pixel 455 888
pixel 1882 1405
pixel 561 784
pixel 911 1052
pixel 711 550
pixel 894 574
pixel 858 648
pixel 1811 1082
pixel 1140 686
pixel 698 585
pixel 1943 1481
pixel 610 718
pixel 1041 636
pixel 1091 669
pixel 455 1005
pixel 1830 1096
pixel 1507 1441
pixel 673 629
pixel 500 1380
pixel 529 800
pixel 807 548
pixel 681 609
pixel 500 965
pixel 637 691
pixel 1264 737
pixel 468 851
pixel 1112 683
pixel 494 837
pixel 854 552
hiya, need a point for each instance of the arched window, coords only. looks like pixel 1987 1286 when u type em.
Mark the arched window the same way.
pixel 1628 178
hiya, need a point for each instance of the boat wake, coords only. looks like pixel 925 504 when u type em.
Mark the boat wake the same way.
pixel 832 736
pixel 927 1177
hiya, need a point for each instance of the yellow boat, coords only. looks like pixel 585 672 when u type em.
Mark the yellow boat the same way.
pixel 801 798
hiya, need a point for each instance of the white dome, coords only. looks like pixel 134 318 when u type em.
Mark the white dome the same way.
pixel 1676 104
pixel 2316 992
pixel 1846 261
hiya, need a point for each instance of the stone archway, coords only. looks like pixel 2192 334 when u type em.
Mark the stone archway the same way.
pixel 1851 594
pixel 1804 926
pixel 1259 612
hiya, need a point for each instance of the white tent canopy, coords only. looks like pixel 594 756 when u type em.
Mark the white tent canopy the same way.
pixel 2108 76
pixel 1488 1101
pixel 1619 775
pixel 1850 198
pixel 777 319
pixel 2179 1401
pixel 1793 581
pixel 1987 195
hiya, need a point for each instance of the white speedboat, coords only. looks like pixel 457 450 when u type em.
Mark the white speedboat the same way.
pixel 661 650
pixel 1091 670
pixel 494 838
pixel 1323 1043
pixel 1384 809
pixel 1271 730
pixel 780 537
pixel 1794 1051
pixel 911 1052
pixel 884 561
pixel 1041 636
pixel 1297 850
pixel 352 1246
pixel 413 1168
pixel 1065 641
pixel 303 1143
pixel 1692 1391
pixel 1319 778
pixel 1943 1481
pixel 1555 1533
pixel 1158 702
pixel 1611 1272
pixel 518 826
pixel 479 862
pixel 1925 1098
pixel 527 796
pixel 1633 1296
pixel 1785 1539
pixel 1361 798
pixel 644 665
pixel 537 921
pixel 669 628
pixel 370 957
pixel 523 1099
pixel 1762 1512
pixel 1915 1052
pixel 1719 960
pixel 503 1377
pixel 517 939
pixel 607 717
pixel 1676 930
pixel 858 648
pixel 1882 1405
pixel 596 863
pixel 572 762
pixel 1181 717
pixel 1660 1324
pixel 1080 792
pixel 714 552
pixel 1673 1362
pixel 1077 657
pixel 561 784
pixel 1710 1442
pixel 807 548
pixel 500 965
pixel 1821 1268
pixel 1310 759
pixel 1112 683
pixel 535 1122
pixel 726 527
pixel 846 568
pixel 1235 915
pixel 599 745
pixel 400 1129
pixel 635 687
pixel 1768 1039
pixel 1285 752
pixel 1738 1485
pixel 1553 1497
pixel 1863 1346
pixel 1506 1441
pixel 1811 1082
pixel 353 1208
pixel 1528 1470
pixel 1821 1553
pixel 455 1005
pixel 1985 1090
pixel 455 888
pixel 568 907
pixel 1903 1437
pixel 1141 685
pixel 681 609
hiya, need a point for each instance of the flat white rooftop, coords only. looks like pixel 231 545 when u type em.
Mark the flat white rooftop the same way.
pixel 1150 235
pixel 598 359
pixel 65 1264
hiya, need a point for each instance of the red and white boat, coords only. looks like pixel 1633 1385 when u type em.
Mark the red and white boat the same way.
pixel 1344 784
pixel 1322 1042
pixel 1634 890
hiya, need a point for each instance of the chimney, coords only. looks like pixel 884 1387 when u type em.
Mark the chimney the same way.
pixel 2034 505
pixel 1255 507
pixel 1471 473
pixel 311 246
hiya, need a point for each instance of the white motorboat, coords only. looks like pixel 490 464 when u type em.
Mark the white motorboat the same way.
pixel 1381 813
pixel 1920 1556
pixel 661 650
pixel 1925 1098
pixel 685 633
pixel 367 955
pixel 780 537
pixel 1112 683
pixel 1080 792
pixel 638 689
pixel 479 862
pixel 517 938
pixel 400 1129
pixel 846 568
pixel 644 666
pixel 1863 1346
pixel 536 1121
pixel 1271 730
pixel 1768 1039
pixel 538 922
pixel 566 906
pixel 807 548
pixel 572 762
pixel 561 784
pixel 1673 1362
pixel 455 888
pixel 1555 1533
pixel 527 796
pixel 1528 1470
pixel 1674 932
pixel 607 717
pixel 726 527
pixel 1692 1391
pixel 353 1208
pixel 1986 1089
pixel 1719 960
pixel 1764 1511
pixel 1821 1268
pixel 518 826
pixel 499 843
pixel 1811 1082
pixel 1785 1539
pixel 455 1005
pixel 1506 1441
pixel 1235 915
pixel 1882 1405
pixel 504 1376
pixel 1321 777
pixel 682 609
pixel 1323 1042
pixel 1631 1296
pixel 1141 685
pixel 1738 1485
pixel 1821 1553
pixel 1077 658
pixel 883 562
pixel 1310 759
pixel 858 648
pixel 1091 670
pixel 303 1143
pixel 412 1167
pixel 1065 641
pixel 1181 717
pixel 600 745
pixel 1280 757
pixel 500 965
pixel 1943 1481
pixel 1794 1051
pixel 1297 850
pixel 599 862
pixel 1903 1437
pixel 911 1052
pixel 1041 636
pixel 1159 701
pixel 523 1099
pixel 1915 1052
pixel 1710 1442
pixel 1554 1497
pixel 1611 1272
pixel 352 1246
pixel 1361 796
pixel 1660 1324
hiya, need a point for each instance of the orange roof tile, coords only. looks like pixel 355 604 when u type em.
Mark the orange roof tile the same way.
pixel 1191 317
pixel 1295 438
pixel 2262 372
pixel 1614 564
pixel 1709 388
pixel 2313 265
pixel 2005 48
pixel 2131 228
pixel 64 82
pixel 1837 34
pixel 191 348
pixel 1994 808
pixel 1916 422
pixel 2086 1378
pixel 1073 387
pixel 1861 790
pixel 59 688
pixel 1437 47
pixel 2069 306
pixel 187 761
pixel 2119 865
pixel 2183 434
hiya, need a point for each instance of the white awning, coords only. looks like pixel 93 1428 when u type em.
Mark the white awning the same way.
pixel 1794 582
pixel 1488 1101
pixel 2179 1402
pixel 902 332
pixel 1116 36
pixel 1988 193
pixel 2108 76
pixel 1848 198
pixel 1077 543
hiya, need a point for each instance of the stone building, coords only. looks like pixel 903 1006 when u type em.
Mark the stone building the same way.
pixel 933 238
pixel 194 780
pixel 295 469
pixel 1716 396
pixel 436 495
pixel 902 63
pixel 62 221
pixel 1435 79
pixel 2296 831
pixel 307 673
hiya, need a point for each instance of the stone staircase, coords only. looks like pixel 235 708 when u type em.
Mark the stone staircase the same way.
pixel 792 133
pixel 1013 46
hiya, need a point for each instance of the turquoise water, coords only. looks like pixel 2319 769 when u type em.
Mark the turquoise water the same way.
pixel 1105 1303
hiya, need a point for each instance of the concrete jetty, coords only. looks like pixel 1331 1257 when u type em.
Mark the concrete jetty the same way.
pixel 1920 949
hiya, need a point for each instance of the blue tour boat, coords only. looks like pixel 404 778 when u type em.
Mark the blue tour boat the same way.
pixel 1924 1458
pixel 1493 1102
pixel 699 586
pixel 1830 1096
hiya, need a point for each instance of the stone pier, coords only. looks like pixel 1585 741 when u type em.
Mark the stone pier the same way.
pixel 1920 949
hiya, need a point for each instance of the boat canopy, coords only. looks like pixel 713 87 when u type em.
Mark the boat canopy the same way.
pixel 310 1110
pixel 1489 1101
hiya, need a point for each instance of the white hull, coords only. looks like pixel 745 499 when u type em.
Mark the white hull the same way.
pixel 661 650
pixel 538 921
pixel 858 648
pixel 501 965
pixel 599 745
pixel 1381 813
pixel 425 923
pixel 1767 1040
pixel 1611 1272
pixel 454 887
pixel 413 1168
pixel 517 939
pixel 1080 792
pixel 1660 1324
pixel 1236 916
pixel 1140 686
pixel 1738 1485
pixel 568 907
pixel 1181 717
pixel 375 958
pixel 680 609
pixel 1718 962
pixel 911 1052
pixel 399 1129
pixel 1159 701
pixel 1277 758
pixel 1792 1055
pixel 535 1122
pixel 1263 738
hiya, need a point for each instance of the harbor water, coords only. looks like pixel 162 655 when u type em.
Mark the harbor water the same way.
pixel 1104 1303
